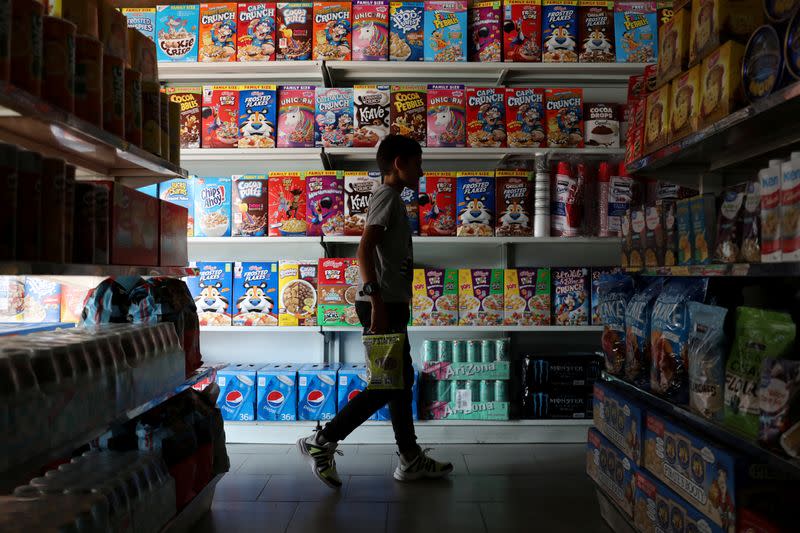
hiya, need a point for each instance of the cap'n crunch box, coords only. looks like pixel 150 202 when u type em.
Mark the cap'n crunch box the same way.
pixel 334 118
pixel 406 31
pixel 325 202
pixel 514 203
pixel 287 204
pixel 486 113
pixel 255 293
pixel 571 298
pixel 336 292
pixel 176 32
pixel 211 290
pixel 446 116
pixel 190 100
pixel 435 297
pixel 331 31
pixel 257 112
pixel 522 31
pixel 142 19
pixel 445 30
pixel 294 25
pixel 480 297
pixel 220 116
pixel 475 203
pixel 255 31
pixel 486 39
pixel 525 117
pixel 217 32
pixel 526 296
pixel 296 116
pixel 564 114
pixel 358 189
pixel 437 204
pixel 297 290
pixel 371 108
pixel 684 106
pixel 370 30
pixel 560 31
pixel 407 112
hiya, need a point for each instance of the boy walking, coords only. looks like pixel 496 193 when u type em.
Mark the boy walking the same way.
pixel 386 262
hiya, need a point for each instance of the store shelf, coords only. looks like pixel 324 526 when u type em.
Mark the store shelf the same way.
pixel 192 155
pixel 15 268
pixel 497 155
pixel 310 72
pixel 481 329
pixel 194 511
pixel 260 329
pixel 753 270
pixel 250 241
pixel 493 241
pixel 33 124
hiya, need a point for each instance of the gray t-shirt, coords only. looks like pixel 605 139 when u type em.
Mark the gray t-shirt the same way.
pixel 394 256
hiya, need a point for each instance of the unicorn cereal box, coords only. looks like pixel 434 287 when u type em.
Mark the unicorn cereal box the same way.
pixel 636 30
pixel 446 116
pixel 371 106
pixel 486 114
pixel 560 31
pixel 257 111
pixel 564 115
pixel 296 116
pixel 211 290
pixel 294 26
pixel 220 116
pixel 407 31
pixel 485 37
pixel 475 203
pixel 522 31
pixel 255 31
pixel 408 112
pixel 370 30
pixel 525 117
pixel 334 118
pixel 324 202
pixel 176 32
pixel 437 204
pixel 217 32
pixel 331 31
pixel 255 293
pixel 287 204
pixel 445 30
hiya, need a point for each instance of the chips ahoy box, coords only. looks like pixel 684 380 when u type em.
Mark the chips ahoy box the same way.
pixel 212 207
pixel 383 413
pixel 211 290
pixel 276 393
pixel 406 31
pixel 255 293
pixel 237 397
pixel 446 31
pixel 257 114
pixel 177 32
pixel 352 381
pixel 316 391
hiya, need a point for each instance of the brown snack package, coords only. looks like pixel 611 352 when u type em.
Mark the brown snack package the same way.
pixel 729 224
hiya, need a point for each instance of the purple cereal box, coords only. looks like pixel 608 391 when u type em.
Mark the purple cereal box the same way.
pixel 370 30
pixel 485 35
pixel 334 119
pixel 296 116
pixel 324 203
pixel 446 116
pixel 571 295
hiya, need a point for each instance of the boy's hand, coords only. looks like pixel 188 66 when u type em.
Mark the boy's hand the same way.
pixel 379 323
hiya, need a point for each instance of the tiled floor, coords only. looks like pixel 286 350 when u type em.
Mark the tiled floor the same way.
pixel 515 488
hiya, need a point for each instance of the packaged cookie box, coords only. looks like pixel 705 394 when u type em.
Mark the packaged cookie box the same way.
pixel 217 32
pixel 611 470
pixel 673 43
pixel 596 31
pixel 656 508
pixel 42 300
pixel 684 105
pixel 297 293
pixel 334 118
pixel 486 39
pixel 180 192
pixel 142 19
pixel 190 100
pixel 571 296
pixel 332 31
pixel 407 31
pixel 358 189
pixel 620 419
pixel 255 293
pixel 287 204
pixel 669 220
pixel 486 117
pixel 655 236
pixel 437 204
pixel 637 232
pixel 480 297
pixel 715 21
pixel 371 107
pixel 475 204
pixel 522 31
pixel 514 203
pixel 446 30
pixel 656 129
pixel 257 114
pixel 526 296
pixel 721 83
pixel 296 106
pixel 336 292
pixel 704 221
pixel 294 23
pixel 435 297
pixel 408 112
pixel 255 31
pixel 564 117
pixel 212 292
pixel 220 116
pixel 602 125
pixel 525 119
pixel 560 31
pixel 324 202
pixel 176 31
pixel 249 205
pixel 212 207
pixel 370 30
pixel 597 274
pixel 446 116
pixel 636 31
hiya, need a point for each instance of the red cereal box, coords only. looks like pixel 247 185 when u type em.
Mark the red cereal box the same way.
pixel 296 105
pixel 331 31
pixel 220 116
pixel 525 117
pixel 564 117
pixel 486 114
pixel 437 204
pixel 522 31
pixel 217 32
pixel 255 31
pixel 287 204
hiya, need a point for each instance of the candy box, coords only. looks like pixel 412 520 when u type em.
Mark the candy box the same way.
pixel 445 30
pixel 358 189
pixel 486 113
pixel 715 21
pixel 480 297
pixel 525 117
pixel 684 105
pixel 522 31
pixel 571 296
pixel 485 38
pixel 704 220
pixel 408 112
pixel 249 205
pixel 255 31
pixel 336 292
pixel 331 31
pixel 602 125
pixel 564 117
pixel 407 31
pixel 437 204
pixel 211 290
pixel 296 116
pixel 217 32
pixel 176 32
pixel 295 29
pixel 287 204
pixel 257 109
pixel 334 118
pixel 526 296
pixel 597 273
pixel 255 293
pixel 596 31
pixel 446 116
pixel 42 300
pixel 142 19
pixel 180 192
pixel 656 508
pixel 220 116
pixel 325 203
pixel 434 299
pixel 475 204
pixel 371 107
pixel 656 129
pixel 611 470
pixel 514 203
pixel 559 31
pixel 620 419
pixel 212 207
pixel 721 83
pixel 190 100
pixel 636 30
pixel 297 286
pixel 673 42
pixel 370 30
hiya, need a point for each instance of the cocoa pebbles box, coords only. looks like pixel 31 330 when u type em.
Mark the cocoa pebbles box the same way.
pixel 514 203
pixel 407 112
pixel 331 31
pixel 371 108
pixel 255 31
pixel 217 32
pixel 324 202
pixel 564 117
pixel 220 116
pixel 486 113
pixel 446 31
pixel 437 204
pixel 370 30
pixel 257 112
pixel 522 31
pixel 406 31
pixel 190 100
pixel 296 116
pixel 295 28
pixel 525 117
pixel 571 296
pixel 560 31
pixel 475 204
pixel 177 32
pixel 334 118
pixel 485 37
pixel 446 116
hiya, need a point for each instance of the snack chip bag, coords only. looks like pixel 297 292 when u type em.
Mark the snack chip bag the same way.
pixel 559 31
pixel 571 296
pixel 445 29
pixel 485 41
pixel 296 116
pixel 707 360
pixel 220 116
pixel 486 115
pixel 437 204
pixel 408 112
pixel 636 31
pixel 250 205
pixel 526 296
pixel 525 117
pixel 522 31
pixel 332 31
pixel 598 273
pixel 255 31
pixel 596 31
pixel 371 107
pixel 255 291
pixel 257 110
pixel 446 112
pixel 564 117
pixel 407 31
pixel 295 29
pixel 638 314
pixel 176 32
pixel 370 30
pixel 475 204
pixel 325 203
pixel 287 204
pixel 190 100
pixel 614 292
pixel 217 32
pixel 334 119
pixel 385 363
pixel 780 386
pixel 514 203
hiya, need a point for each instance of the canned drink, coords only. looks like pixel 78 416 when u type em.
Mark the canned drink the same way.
pixel 487 391
pixel 430 351
pixel 487 351
pixel 445 351
pixel 501 391
pixel 473 351
pixel 455 386
pixel 502 348
pixel 474 390
pixel 459 352
pixel 443 392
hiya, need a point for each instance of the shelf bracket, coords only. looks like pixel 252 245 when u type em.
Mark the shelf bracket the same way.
pixel 501 77
pixel 327 79
pixel 325 157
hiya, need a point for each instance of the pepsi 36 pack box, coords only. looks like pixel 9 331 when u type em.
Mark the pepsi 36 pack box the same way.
pixel 237 397
pixel 276 395
pixel 316 391
pixel 383 413
pixel 352 381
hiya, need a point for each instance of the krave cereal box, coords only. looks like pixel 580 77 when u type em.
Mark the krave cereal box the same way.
pixel 325 202
pixel 212 207
pixel 211 290
pixel 297 299
pixel 564 117
pixel 180 192
pixel 294 25
pixel 656 508
pixel 526 296
pixel 406 31
pixel 370 30
pixel 445 30
pixel 408 112
pixel 176 32
pixel 437 204
pixel 142 19
pixel 287 204
pixel 475 204
pixel 485 38
pixel 522 31
pixel 435 297
pixel 358 189
pixel 217 32
pixel 190 100
pixel 336 292
pixel 42 300
pixel 446 116
pixel 255 293
pixel 636 30
pixel 596 31
pixel 257 113
pixel 486 113
pixel 560 31
pixel 220 116
pixel 514 203
pixel 249 206
pixel 571 296
pixel 255 31
pixel 525 118
pixel 296 116
pixel 334 118
pixel 331 31
pixel 480 297
pixel 371 107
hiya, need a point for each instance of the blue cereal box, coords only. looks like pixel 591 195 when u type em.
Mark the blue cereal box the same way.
pixel 212 207
pixel 446 31
pixel 656 508
pixel 177 32
pixel 334 117
pixel 42 300
pixel 180 192
pixel 237 396
pixel 316 391
pixel 352 380
pixel 255 293
pixel 570 296
pixel 611 470
pixel 560 31
pixel 276 392
pixel 406 31
pixel 142 19
pixel 597 273
pixel 636 32
pixel 258 106
pixel 475 204
pixel 619 419
pixel 211 290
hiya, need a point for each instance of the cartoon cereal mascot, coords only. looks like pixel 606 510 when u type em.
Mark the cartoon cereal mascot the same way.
pixel 531 120
pixel 336 32
pixel 568 121
pixel 255 300
pixel 489 116
pixel 560 39
pixel 210 300
pixel 572 302
pixel 222 33
pixel 260 32
pixel 256 125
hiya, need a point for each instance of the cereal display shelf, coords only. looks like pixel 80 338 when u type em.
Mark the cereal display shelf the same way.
pixel 753 270
pixel 22 268
pixel 198 73
pixel 499 155
pixel 411 329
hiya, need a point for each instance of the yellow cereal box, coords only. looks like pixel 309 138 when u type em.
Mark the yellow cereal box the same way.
pixel 297 293
pixel 656 130
pixel 684 104
pixel 480 297
pixel 721 80
pixel 526 296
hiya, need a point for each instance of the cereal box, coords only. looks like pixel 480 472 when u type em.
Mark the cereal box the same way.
pixel 249 208
pixel 683 221
pixel 255 31
pixel 296 116
pixel 486 113
pixel 721 82
pixel 212 291
pixel 331 31
pixel 596 31
pixel 407 112
pixel 371 107
pixel 564 117
pixel 446 116
pixel 485 38
pixel 525 117
pixel 560 31
pixel 190 100
pixel 257 109
pixel 704 220
pixel 437 204
pixel 684 106
pixel 445 30
pixel 514 203
pixel 297 286
pixel 334 118
pixel 325 202
pixel 656 129
pixel 217 32
pixel 656 508
pixel 406 31
pixel 527 296
pixel 522 30
pixel 294 27
pixel 176 32
pixel 42 300
pixel 611 470
pixel 370 30
pixel 475 204
pixel 336 292
pixel 212 207
pixel 435 297
pixel 602 125
pixel 571 298
pixel 72 300
pixel 287 204
pixel 410 200
pixel 142 19
pixel 180 192
pixel 620 419
pixel 597 273
pixel 255 293
pixel 636 31
pixel 480 297
pixel 673 42
pixel 220 116
pixel 358 189
pixel 715 21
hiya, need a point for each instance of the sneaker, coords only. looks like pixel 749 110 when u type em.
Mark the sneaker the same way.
pixel 421 467
pixel 321 458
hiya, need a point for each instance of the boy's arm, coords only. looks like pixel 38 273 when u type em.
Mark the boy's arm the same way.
pixel 366 265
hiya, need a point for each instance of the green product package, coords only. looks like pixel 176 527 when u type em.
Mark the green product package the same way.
pixel 384 354
pixel 759 334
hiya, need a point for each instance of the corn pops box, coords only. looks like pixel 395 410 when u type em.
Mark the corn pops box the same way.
pixel 480 297
pixel 408 112
pixel 486 113
pixel 190 100
pixel 370 30
pixel 434 297
pixel 564 114
pixel 334 118
pixel 560 31
pixel 446 116
pixel 514 193
pixel 217 32
pixel 475 204
pixel 255 293
pixel 287 204
pixel 176 32
pixel 257 109
pixel 371 106
pixel 406 31
pixel 296 116
pixel 526 296
pixel 485 38
pixel 331 31
pixel 250 205
pixel 255 31
pixel 445 30
pixel 212 207
pixel 636 30
pixel 294 25
pixel 211 290
pixel 358 189
pixel 336 292
pixel 324 202
pixel 297 296
pixel 522 31
pixel 437 204
pixel 525 117
pixel 142 19
pixel 220 116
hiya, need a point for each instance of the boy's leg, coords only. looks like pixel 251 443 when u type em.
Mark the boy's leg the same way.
pixel 401 409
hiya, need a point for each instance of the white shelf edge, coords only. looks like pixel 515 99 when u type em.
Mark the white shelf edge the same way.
pixel 411 329
pixel 354 239
pixel 260 329
pixel 254 240
pixel 480 423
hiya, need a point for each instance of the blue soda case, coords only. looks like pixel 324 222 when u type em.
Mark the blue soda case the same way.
pixel 316 391
pixel 352 381
pixel 276 392
pixel 237 398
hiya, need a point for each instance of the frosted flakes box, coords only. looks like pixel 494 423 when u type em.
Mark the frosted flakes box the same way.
pixel 190 100
pixel 597 273
pixel 255 291
pixel 255 31
pixel 596 31
pixel 287 204
pixel 408 112
pixel 486 113
pixel 257 113
pixel 611 470
pixel 559 31
pixel 480 297
pixel 475 204
pixel 437 204
pixel 526 296
pixel 180 192
pixel 571 296
pixel 297 296
pixel 217 32
pixel 212 207
pixel 514 203
pixel 211 290
pixel 522 31
pixel 435 297
pixel 358 189
pixel 296 116
pixel 445 30
pixel 142 19
pixel 331 31
pixel 446 116
pixel 334 117
pixel 636 31
pixel 620 419
pixel 294 26
pixel 370 30
pixel 485 37
pixel 525 119
pixel 324 202
pixel 371 108
pixel 177 32
pixel 220 116
pixel 250 205
pixel 336 292
pixel 684 106
pixel 656 508
pixel 42 300
pixel 406 31
pixel 564 117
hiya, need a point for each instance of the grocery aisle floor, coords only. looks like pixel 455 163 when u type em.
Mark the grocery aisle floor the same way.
pixel 539 487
